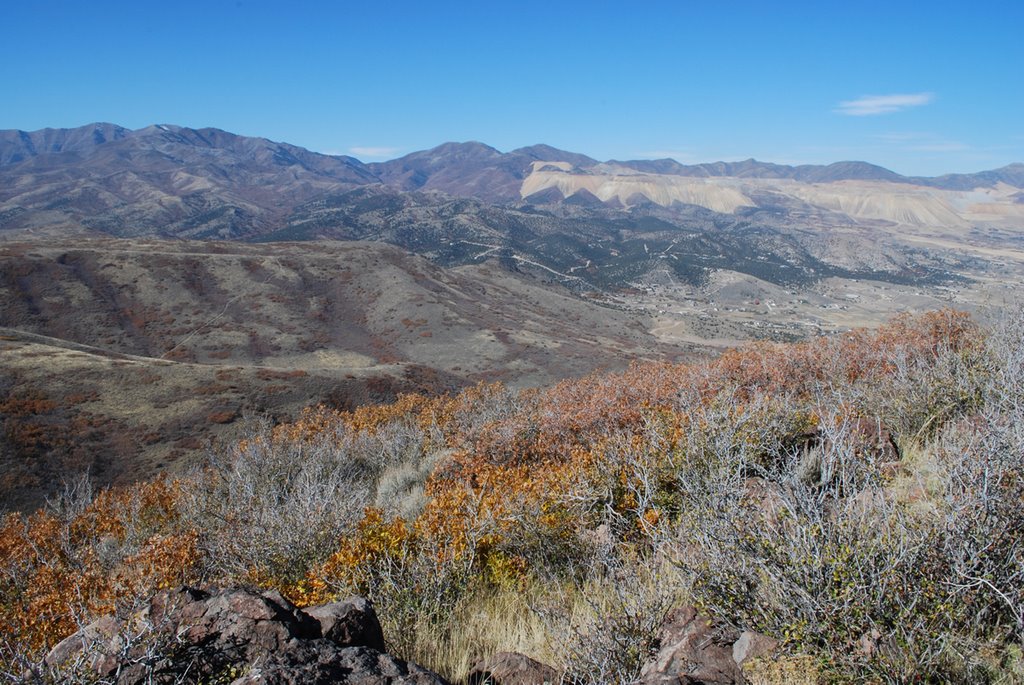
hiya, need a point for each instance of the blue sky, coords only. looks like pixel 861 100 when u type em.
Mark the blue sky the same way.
pixel 921 88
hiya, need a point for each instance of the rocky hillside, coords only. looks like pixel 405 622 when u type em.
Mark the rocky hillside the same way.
pixel 233 636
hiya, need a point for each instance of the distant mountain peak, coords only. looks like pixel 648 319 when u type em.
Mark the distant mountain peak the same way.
pixel 471 148
pixel 547 153
pixel 18 146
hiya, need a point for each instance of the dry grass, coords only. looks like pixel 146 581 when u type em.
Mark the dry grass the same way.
pixel 572 627
pixel 482 624
pixel 786 670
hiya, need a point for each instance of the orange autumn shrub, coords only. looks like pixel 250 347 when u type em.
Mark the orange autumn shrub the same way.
pixel 376 541
pixel 314 422
pixel 369 418
pixel 476 505
pixel 58 572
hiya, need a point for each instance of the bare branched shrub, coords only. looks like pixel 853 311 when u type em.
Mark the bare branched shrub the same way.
pixel 819 551
pixel 918 391
pixel 1004 390
pixel 983 516
pixel 416 597
pixel 834 567
pixel 269 509
pixel 73 499
pixel 487 406
pixel 406 455
pixel 604 624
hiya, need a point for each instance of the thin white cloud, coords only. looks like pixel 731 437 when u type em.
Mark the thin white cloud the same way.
pixel 371 151
pixel 870 105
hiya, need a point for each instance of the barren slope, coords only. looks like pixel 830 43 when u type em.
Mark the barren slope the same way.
pixel 847 201
pixel 624 185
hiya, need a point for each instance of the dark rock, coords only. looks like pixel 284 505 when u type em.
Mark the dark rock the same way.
pixel 764 501
pixel 350 623
pixel 316 664
pixel 238 636
pixel 868 643
pixel 232 621
pixel 868 440
pixel 873 440
pixel 511 668
pixel 892 469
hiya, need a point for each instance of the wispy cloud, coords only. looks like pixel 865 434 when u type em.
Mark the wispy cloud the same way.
pixel 870 105
pixel 372 151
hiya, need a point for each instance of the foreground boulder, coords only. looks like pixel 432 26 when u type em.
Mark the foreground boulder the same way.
pixel 351 622
pixel 239 637
pixel 695 650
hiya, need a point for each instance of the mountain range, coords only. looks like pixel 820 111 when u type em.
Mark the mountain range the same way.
pixel 176 181
pixel 158 284
pixel 588 224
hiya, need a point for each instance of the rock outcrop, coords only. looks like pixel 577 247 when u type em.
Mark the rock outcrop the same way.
pixel 349 623
pixel 240 637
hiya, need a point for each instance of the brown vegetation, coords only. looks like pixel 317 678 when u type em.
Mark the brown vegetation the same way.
pixel 857 498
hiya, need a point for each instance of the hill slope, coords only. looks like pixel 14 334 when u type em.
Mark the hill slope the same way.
pixel 161 180
pixel 123 358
